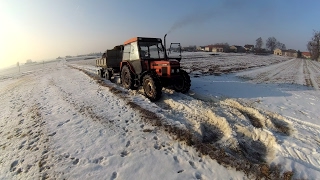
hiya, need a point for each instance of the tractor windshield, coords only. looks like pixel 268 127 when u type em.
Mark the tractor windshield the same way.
pixel 151 50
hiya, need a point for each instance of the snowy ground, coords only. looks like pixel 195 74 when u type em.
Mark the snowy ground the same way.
pixel 61 121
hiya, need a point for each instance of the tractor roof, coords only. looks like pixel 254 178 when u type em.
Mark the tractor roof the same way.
pixel 147 39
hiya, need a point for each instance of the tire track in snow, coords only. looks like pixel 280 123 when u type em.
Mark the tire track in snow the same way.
pixel 306 73
pixel 180 133
pixel 27 147
pixel 313 73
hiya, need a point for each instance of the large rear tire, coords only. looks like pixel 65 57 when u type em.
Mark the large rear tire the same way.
pixel 183 84
pixel 127 78
pixel 152 87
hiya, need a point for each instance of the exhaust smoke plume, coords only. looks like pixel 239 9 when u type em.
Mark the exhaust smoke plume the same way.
pixel 203 15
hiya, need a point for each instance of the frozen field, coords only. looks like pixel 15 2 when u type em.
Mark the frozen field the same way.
pixel 246 116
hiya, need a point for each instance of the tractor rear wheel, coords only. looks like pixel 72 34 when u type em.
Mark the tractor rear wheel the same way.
pixel 183 84
pixel 127 78
pixel 152 87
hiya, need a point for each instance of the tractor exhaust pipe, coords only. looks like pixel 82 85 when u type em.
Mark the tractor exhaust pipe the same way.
pixel 165 47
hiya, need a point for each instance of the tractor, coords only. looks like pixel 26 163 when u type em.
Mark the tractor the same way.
pixel 143 61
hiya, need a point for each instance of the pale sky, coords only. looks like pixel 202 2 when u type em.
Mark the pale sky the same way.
pixel 46 29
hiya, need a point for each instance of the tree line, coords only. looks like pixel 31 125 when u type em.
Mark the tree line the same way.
pixel 313 45
pixel 271 44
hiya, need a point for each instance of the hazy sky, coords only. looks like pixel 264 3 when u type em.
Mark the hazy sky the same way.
pixel 44 29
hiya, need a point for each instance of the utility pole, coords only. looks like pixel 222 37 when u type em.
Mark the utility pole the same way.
pixel 18 66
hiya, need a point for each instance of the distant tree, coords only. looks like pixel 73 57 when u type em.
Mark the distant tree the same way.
pixel 271 43
pixel 299 54
pixel 313 45
pixel 281 46
pixel 259 43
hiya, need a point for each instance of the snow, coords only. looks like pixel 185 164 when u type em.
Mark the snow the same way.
pixel 58 122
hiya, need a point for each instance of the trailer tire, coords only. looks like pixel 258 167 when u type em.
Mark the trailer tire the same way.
pixel 152 87
pixel 127 78
pixel 184 83
pixel 107 75
pixel 99 73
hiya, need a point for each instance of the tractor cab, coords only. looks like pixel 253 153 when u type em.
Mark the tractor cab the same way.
pixel 144 54
pixel 145 62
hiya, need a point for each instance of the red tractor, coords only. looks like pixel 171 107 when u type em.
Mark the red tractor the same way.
pixel 143 61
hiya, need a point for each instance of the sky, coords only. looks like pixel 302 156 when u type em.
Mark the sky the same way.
pixel 40 30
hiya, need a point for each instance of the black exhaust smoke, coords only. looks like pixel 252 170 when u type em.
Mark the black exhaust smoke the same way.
pixel 202 15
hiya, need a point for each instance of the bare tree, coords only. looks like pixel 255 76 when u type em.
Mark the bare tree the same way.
pixel 313 45
pixel 281 46
pixel 259 43
pixel 271 43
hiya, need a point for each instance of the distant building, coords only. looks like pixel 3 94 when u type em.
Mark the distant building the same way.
pixel 218 48
pixel 249 47
pixel 277 52
pixel 290 53
pixel 201 48
pixel 215 48
pixel 236 49
pixel 306 55
pixel 29 61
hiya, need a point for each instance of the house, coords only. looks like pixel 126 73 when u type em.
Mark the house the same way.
pixel 249 47
pixel 235 49
pixel 306 55
pixel 201 48
pixel 208 48
pixel 218 48
pixel 277 52
pixel 290 53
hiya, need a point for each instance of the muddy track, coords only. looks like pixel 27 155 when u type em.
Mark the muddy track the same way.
pixel 306 73
pixel 314 73
pixel 191 138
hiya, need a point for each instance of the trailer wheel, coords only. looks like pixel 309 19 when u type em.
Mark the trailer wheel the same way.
pixel 183 83
pixel 152 87
pixel 99 72
pixel 127 78
pixel 107 75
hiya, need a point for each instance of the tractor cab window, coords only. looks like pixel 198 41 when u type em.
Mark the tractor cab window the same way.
pixel 126 52
pixel 134 53
pixel 151 50
pixel 130 52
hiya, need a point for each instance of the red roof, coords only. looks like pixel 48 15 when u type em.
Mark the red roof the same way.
pixel 306 53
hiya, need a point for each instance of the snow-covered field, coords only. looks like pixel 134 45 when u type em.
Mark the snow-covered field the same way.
pixel 257 118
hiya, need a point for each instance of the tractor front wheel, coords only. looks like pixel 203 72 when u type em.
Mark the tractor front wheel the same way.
pixel 183 83
pixel 152 87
